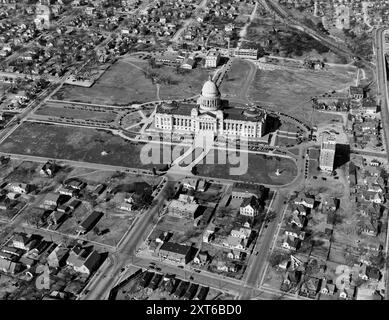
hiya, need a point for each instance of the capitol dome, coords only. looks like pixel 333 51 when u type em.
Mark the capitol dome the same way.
pixel 210 89
pixel 210 96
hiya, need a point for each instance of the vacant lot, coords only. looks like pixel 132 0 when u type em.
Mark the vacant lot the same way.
pixel 121 84
pixel 248 167
pixel 76 113
pixel 291 91
pixel 81 144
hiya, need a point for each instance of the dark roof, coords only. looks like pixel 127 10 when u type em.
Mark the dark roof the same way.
pixel 92 260
pixel 247 187
pixel 175 248
pixel 253 201
pixel 91 220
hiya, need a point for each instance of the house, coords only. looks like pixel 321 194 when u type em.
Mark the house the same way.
pixel 327 288
pixel 310 287
pixel 201 258
pixel 90 222
pixel 295 231
pixel 370 227
pixel 241 233
pixel 291 243
pixel 235 254
pixel 22 188
pixel 20 240
pixel 51 199
pixel 175 252
pixel 244 190
pixel 202 185
pixel 347 293
pixel 83 260
pixel 98 190
pixel 308 202
pixel 49 169
pixel 13 251
pixel 126 207
pixel 190 183
pixel 226 267
pixel 202 293
pixel 368 272
pixel 57 258
pixel 297 220
pixel 330 204
pixel 291 280
pixel 356 92
pixel 249 207
pixel 208 234
pixel 56 218
pixel 235 243
pixel 67 191
pixel 74 204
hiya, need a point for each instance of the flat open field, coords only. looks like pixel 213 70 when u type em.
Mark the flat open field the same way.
pixel 259 169
pixel 121 84
pixel 235 77
pixel 79 144
pixel 76 113
pixel 291 91
pixel 125 82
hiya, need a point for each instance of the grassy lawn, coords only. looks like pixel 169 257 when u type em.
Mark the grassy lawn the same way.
pixel 261 169
pixel 76 113
pixel 79 144
pixel 121 84
pixel 185 84
pixel 290 91
pixel 234 80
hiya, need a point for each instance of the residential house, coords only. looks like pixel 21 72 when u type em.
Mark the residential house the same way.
pixel 245 190
pixel 295 231
pixel 306 201
pixel 249 207
pixel 291 280
pixel 291 243
pixel 83 260
pixel 368 272
pixel 327 288
pixel 49 169
pixel 20 240
pixel 51 199
pixel 190 183
pixel 242 233
pixel 235 243
pixel 347 293
pixel 310 287
pixel 21 188
pixel 225 266
pixel 235 254
pixel 68 191
pixel 201 258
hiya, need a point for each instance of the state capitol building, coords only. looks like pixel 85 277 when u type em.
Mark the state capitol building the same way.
pixel 211 115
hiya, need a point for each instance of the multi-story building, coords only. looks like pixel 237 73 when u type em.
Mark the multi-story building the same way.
pixel 212 59
pixel 327 153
